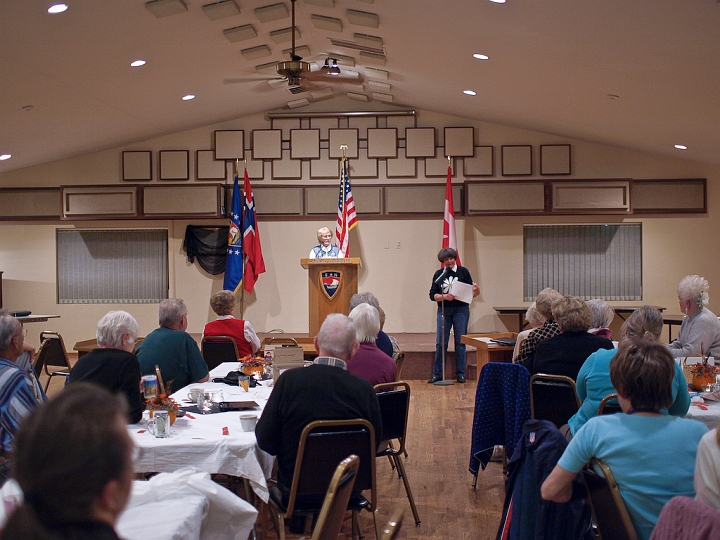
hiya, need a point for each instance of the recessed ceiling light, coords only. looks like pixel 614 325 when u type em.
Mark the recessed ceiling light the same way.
pixel 57 8
pixel 188 97
pixel 5 156
pixel 498 1
pixel 470 92
pixel 681 147
pixel 138 63
pixel 481 56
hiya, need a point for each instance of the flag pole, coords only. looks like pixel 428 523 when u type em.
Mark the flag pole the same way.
pixel 442 381
pixel 242 289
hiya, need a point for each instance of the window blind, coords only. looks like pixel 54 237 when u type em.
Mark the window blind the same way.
pixel 588 261
pixel 112 266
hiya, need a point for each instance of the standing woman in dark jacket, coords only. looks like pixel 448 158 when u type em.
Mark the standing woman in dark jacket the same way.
pixel 457 313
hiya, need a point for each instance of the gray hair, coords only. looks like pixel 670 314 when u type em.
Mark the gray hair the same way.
pixel 544 301
pixel 8 329
pixel 534 317
pixel 367 323
pixel 337 336
pixel 113 326
pixel 364 298
pixel 171 311
pixel 321 231
pixel 694 288
pixel 603 314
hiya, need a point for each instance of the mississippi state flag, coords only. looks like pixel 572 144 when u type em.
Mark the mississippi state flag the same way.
pixel 346 218
pixel 449 239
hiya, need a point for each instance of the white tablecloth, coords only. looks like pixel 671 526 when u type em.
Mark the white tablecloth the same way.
pixel 199 442
pixel 711 417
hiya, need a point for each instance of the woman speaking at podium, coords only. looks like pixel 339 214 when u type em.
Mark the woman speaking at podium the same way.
pixel 324 249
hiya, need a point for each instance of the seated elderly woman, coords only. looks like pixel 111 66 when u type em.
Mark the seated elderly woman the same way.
pixel 223 304
pixel 603 315
pixel 707 469
pixel 86 476
pixel 651 454
pixel 700 329
pixel 369 362
pixel 535 319
pixel 593 380
pixel 549 328
pixel 565 353
pixel 113 365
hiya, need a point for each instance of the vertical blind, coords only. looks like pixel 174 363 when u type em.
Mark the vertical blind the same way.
pixel 588 261
pixel 112 266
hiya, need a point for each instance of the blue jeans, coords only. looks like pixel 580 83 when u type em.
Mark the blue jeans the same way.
pixel 457 318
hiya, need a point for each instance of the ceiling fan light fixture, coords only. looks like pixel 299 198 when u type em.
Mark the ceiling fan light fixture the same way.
pixel 334 70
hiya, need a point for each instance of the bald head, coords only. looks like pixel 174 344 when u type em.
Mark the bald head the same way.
pixel 336 337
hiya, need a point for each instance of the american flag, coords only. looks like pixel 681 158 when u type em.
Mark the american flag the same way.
pixel 255 265
pixel 347 218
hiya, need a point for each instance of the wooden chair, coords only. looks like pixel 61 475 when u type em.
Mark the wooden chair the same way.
pixel 611 515
pixel 399 358
pixel 394 399
pixel 218 349
pixel 52 353
pixel 553 397
pixel 392 528
pixel 324 443
pixel 330 519
pixel 609 408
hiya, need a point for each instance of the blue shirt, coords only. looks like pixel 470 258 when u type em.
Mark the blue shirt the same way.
pixel 16 401
pixel 651 457
pixel 593 384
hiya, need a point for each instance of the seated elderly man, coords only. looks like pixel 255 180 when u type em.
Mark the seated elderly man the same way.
pixel 651 454
pixel 543 303
pixel 113 365
pixel 16 394
pixel 369 362
pixel 172 349
pixel 322 391
pixel 565 353
pixel 223 304
pixel 86 476
pixel 382 340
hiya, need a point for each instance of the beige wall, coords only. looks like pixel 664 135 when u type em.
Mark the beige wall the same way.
pixel 491 247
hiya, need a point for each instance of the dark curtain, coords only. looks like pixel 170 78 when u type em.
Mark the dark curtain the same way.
pixel 208 245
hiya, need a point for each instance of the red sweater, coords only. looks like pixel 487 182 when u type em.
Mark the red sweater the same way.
pixel 234 328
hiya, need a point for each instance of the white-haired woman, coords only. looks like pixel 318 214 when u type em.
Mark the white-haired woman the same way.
pixel 113 365
pixel 603 315
pixel 369 362
pixel 535 319
pixel 700 329
pixel 325 249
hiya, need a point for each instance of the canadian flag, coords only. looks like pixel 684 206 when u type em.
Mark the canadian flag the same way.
pixel 449 239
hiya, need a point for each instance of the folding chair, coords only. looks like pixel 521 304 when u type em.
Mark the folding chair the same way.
pixel 553 397
pixel 606 407
pixel 611 515
pixel 218 349
pixel 394 399
pixel 324 443
pixel 52 353
pixel 330 519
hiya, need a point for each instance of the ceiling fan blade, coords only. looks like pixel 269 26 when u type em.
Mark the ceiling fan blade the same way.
pixel 252 79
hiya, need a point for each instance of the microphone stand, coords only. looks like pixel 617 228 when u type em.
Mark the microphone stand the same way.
pixel 443 382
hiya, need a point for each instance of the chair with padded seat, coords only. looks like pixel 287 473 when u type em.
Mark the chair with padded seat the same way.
pixel 394 399
pixel 609 510
pixel 218 349
pixel 609 405
pixel 323 444
pixel 330 519
pixel 52 353
pixel 553 397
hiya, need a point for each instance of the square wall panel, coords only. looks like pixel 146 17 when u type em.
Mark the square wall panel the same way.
pixel 267 144
pixel 348 137
pixel 420 142
pixel 459 141
pixel 230 144
pixel 517 160
pixel 208 168
pixel 174 164
pixel 305 143
pixel 481 164
pixel 137 165
pixel 382 143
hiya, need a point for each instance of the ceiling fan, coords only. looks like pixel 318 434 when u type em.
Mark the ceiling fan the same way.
pixel 299 73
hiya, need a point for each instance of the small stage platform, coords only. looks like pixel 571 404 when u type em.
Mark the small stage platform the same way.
pixel 419 356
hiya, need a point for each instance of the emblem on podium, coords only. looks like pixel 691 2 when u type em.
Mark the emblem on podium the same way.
pixel 330 282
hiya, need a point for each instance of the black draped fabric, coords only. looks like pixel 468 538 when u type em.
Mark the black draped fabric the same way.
pixel 209 245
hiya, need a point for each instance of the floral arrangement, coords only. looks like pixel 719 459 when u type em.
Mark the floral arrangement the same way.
pixel 162 400
pixel 703 368
pixel 253 365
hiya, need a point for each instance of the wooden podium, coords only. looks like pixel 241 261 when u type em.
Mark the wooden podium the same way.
pixel 331 284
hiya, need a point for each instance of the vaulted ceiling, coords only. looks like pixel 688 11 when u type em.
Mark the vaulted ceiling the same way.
pixel 638 74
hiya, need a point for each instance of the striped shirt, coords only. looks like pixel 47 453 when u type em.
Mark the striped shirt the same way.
pixel 16 401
